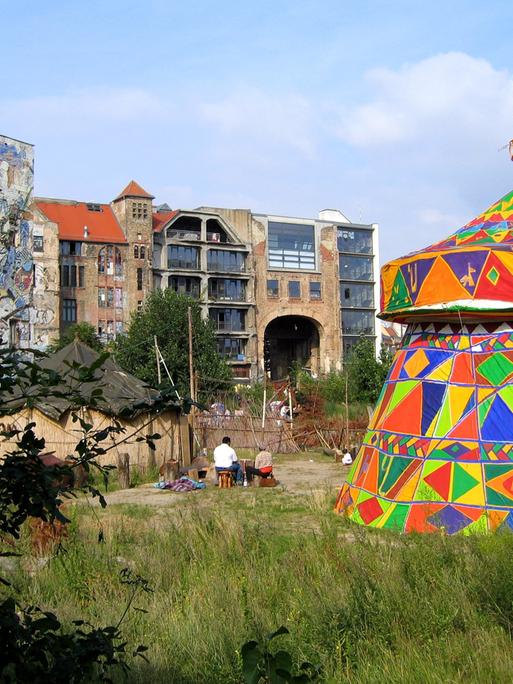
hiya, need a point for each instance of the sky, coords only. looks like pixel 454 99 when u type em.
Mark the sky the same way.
pixel 392 112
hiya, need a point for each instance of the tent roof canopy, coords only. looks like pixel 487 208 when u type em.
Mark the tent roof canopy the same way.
pixel 122 394
pixel 469 274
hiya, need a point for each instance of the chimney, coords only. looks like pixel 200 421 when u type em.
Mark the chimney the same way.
pixel 86 232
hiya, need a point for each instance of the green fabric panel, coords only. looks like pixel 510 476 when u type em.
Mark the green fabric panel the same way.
pixel 462 482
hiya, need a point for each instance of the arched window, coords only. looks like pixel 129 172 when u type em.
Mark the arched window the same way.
pixel 143 252
pixel 109 261
pixel 136 251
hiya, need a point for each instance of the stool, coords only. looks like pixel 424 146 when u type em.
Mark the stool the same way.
pixel 225 479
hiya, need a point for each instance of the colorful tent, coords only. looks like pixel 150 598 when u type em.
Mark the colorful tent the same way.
pixel 438 453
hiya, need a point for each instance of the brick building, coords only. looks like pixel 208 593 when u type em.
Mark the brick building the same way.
pixel 279 291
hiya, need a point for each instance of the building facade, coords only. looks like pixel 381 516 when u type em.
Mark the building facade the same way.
pixel 281 292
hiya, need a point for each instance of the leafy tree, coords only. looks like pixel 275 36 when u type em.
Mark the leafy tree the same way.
pixel 366 373
pixel 164 314
pixel 85 332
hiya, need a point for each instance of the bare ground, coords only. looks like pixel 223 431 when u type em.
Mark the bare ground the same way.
pixel 296 475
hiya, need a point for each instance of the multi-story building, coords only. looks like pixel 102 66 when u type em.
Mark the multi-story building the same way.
pixel 95 259
pixel 279 291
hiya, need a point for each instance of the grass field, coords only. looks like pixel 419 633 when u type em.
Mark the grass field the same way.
pixel 227 566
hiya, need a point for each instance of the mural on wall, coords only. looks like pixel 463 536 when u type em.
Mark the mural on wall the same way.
pixel 16 263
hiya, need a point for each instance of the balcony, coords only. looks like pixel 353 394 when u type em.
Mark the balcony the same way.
pixel 183 235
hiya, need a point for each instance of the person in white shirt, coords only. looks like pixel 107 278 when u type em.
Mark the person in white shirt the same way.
pixel 225 458
pixel 347 459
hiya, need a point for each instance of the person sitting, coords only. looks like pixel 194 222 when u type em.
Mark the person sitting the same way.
pixel 347 459
pixel 225 458
pixel 263 464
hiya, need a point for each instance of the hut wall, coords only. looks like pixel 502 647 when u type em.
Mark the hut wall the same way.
pixel 62 436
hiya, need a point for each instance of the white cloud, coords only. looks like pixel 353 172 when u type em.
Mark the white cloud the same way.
pixel 450 96
pixel 262 117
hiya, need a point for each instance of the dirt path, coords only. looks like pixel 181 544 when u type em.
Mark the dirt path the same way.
pixel 295 476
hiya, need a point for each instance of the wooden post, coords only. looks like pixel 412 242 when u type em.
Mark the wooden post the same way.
pixel 157 356
pixel 290 405
pixel 347 416
pixel 264 404
pixel 124 471
pixel 191 369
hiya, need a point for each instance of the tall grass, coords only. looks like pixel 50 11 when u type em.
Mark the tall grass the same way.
pixel 367 606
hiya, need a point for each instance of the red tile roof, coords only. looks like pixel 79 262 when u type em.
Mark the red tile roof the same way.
pixel 133 189
pixel 160 218
pixel 71 217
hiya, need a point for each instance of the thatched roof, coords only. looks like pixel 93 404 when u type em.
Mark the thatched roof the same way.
pixel 122 393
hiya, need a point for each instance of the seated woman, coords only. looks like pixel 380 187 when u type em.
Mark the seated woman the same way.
pixel 263 464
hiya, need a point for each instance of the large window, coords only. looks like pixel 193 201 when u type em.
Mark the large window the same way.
pixel 69 310
pixel 356 294
pixel 225 289
pixel 291 245
pixel 355 268
pixel 356 322
pixel 354 241
pixel 139 279
pixel 231 348
pixel 185 286
pixel 109 261
pixel 69 276
pixel 228 319
pixel 221 260
pixel 180 256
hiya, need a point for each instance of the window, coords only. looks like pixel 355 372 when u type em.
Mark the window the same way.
pixel 102 297
pixel 224 289
pixel 180 256
pixel 93 207
pixel 294 289
pixel 221 260
pixel 139 279
pixel 184 285
pixel 291 245
pixel 142 252
pixel 69 310
pixel 81 276
pixel 110 297
pixel 139 210
pixel 37 243
pixel 231 348
pixel 356 294
pixel 109 261
pixel 136 251
pixel 118 297
pixel 139 305
pixel 315 290
pixel 70 248
pixel 354 241
pixel 228 319
pixel 273 288
pixel 355 268
pixel 73 276
pixel 65 276
pixel 356 322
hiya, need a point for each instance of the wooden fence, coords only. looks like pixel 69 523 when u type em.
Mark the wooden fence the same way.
pixel 245 432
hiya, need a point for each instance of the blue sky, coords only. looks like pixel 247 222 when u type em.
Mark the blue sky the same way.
pixel 391 111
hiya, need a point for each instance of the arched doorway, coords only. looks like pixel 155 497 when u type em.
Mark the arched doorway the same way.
pixel 291 341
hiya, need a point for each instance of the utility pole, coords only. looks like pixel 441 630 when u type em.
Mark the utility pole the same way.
pixel 191 370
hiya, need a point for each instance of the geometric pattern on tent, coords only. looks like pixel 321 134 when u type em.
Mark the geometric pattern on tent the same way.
pixel 471 270
pixel 438 453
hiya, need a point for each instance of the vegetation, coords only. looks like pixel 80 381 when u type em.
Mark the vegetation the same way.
pixel 85 332
pixel 365 373
pixel 36 646
pixel 164 314
pixel 362 605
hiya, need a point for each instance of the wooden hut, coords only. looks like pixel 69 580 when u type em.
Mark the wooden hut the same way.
pixel 126 400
